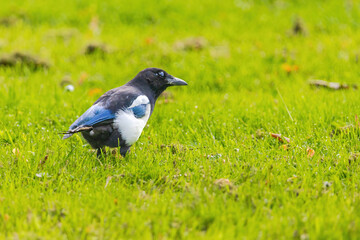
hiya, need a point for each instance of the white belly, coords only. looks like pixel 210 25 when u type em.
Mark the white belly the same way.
pixel 129 126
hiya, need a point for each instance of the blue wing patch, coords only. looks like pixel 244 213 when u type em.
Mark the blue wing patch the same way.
pixel 95 114
pixel 139 110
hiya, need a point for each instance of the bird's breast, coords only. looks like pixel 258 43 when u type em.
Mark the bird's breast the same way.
pixel 129 126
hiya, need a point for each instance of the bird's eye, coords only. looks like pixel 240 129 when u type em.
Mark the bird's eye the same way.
pixel 161 74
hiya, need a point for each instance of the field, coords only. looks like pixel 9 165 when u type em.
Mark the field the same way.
pixel 207 165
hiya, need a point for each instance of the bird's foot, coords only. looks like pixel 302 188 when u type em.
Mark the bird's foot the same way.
pixel 100 152
pixel 124 151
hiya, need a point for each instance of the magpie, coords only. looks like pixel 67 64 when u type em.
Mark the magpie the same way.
pixel 118 117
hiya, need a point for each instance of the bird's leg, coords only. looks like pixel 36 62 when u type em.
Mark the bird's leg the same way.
pixel 100 151
pixel 124 150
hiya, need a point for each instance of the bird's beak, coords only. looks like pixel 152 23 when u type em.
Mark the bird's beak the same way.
pixel 174 81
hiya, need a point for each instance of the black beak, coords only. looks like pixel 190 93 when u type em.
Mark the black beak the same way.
pixel 173 81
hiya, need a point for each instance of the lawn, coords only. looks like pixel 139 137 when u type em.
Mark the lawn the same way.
pixel 207 165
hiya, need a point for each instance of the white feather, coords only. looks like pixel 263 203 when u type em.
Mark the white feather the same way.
pixel 142 99
pixel 129 126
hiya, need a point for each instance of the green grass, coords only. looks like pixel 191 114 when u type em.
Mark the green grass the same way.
pixel 216 127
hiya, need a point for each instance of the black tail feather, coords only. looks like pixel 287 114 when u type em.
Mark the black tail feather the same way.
pixel 76 130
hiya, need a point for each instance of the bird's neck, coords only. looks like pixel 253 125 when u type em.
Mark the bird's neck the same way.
pixel 158 92
pixel 143 86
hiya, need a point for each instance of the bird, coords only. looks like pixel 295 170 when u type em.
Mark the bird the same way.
pixel 119 116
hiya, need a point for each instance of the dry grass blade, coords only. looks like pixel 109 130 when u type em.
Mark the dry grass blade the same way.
pixel 330 85
pixel 191 44
pixel 280 138
pixel 23 59
pixel 310 152
pixel 224 183
pixel 93 48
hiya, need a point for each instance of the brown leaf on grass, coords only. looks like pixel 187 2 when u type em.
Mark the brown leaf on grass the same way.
pixel 310 152
pixel 23 59
pixel 149 41
pixel 285 147
pixel 191 44
pixel 16 152
pixel 95 91
pixel 83 77
pixel 8 21
pixel 224 183
pixel 330 85
pixel 43 161
pixel 280 138
pixel 298 27
pixel 288 68
pixel 93 48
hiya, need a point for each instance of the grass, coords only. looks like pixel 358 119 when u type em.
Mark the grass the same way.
pixel 249 79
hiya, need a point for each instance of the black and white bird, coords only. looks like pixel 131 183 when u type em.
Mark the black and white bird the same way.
pixel 118 117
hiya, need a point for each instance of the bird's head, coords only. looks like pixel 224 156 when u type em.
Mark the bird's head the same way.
pixel 159 80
